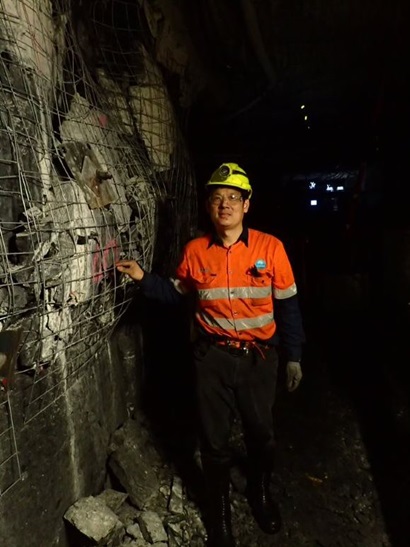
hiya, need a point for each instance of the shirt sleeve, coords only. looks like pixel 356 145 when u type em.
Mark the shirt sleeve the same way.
pixel 167 290
pixel 160 288
pixel 183 277
pixel 286 306
pixel 284 285
pixel 290 327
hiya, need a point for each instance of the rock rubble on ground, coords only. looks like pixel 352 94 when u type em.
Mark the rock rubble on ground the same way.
pixel 150 506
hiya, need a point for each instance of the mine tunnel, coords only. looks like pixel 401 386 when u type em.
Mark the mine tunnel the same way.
pixel 113 115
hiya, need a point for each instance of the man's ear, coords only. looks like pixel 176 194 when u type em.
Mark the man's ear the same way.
pixel 246 205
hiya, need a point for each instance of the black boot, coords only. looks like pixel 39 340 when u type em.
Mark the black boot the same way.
pixel 264 509
pixel 219 526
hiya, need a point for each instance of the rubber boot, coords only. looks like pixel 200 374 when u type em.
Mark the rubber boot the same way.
pixel 265 510
pixel 218 486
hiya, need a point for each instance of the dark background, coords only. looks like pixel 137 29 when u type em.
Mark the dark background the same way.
pixel 347 64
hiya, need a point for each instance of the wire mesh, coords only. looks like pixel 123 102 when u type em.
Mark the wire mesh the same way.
pixel 93 164
pixel 10 470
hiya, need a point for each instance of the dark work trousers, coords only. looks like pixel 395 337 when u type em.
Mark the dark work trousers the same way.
pixel 226 382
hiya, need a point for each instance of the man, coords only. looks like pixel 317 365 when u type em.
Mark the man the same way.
pixel 246 299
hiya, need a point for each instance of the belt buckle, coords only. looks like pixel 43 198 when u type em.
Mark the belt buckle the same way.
pixel 237 347
pixel 243 349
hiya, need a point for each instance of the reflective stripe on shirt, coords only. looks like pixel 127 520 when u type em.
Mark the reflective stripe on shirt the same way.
pixel 236 324
pixel 281 294
pixel 235 292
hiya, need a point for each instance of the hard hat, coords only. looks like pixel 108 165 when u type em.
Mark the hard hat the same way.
pixel 230 174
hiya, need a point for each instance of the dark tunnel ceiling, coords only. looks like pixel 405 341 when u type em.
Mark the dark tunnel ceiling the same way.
pixel 344 60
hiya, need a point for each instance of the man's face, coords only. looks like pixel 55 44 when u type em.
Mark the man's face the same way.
pixel 226 207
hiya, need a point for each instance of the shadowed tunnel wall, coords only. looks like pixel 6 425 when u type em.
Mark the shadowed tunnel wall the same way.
pixel 93 167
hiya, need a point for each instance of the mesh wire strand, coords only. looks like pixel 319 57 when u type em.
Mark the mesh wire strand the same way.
pixel 93 164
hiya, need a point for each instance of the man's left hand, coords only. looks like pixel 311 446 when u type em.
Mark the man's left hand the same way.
pixel 293 375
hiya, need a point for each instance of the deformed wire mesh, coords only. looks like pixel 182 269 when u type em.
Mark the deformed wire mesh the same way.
pixel 92 164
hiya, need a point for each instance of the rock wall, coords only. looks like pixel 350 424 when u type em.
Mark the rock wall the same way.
pixel 62 451
pixel 93 165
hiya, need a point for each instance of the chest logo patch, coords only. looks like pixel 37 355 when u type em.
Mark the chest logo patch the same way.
pixel 260 264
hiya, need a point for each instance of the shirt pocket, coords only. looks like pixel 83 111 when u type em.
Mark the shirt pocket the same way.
pixel 203 280
pixel 205 285
pixel 260 285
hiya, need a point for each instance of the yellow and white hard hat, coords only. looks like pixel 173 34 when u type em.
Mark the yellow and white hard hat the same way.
pixel 230 174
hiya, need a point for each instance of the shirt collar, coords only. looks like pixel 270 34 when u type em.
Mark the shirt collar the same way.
pixel 215 240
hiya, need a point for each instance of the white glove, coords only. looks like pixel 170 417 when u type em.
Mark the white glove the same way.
pixel 293 375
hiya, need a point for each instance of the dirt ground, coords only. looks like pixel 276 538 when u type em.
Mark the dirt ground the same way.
pixel 341 474
pixel 342 462
pixel 323 481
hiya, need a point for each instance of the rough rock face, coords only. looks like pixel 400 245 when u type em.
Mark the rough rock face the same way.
pixel 91 522
pixel 129 454
pixel 92 165
pixel 153 507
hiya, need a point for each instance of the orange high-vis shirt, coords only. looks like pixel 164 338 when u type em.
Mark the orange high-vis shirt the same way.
pixel 236 285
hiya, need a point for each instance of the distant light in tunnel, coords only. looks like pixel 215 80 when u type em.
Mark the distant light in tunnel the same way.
pixel 302 106
pixel 306 118
pixel 329 188
pixel 313 202
pixel 312 185
pixel 340 188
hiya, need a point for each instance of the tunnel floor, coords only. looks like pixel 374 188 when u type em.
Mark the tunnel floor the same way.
pixel 341 474
pixel 342 461
pixel 324 481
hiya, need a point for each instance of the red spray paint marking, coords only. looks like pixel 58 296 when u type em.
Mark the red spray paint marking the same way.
pixel 102 118
pixel 103 259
